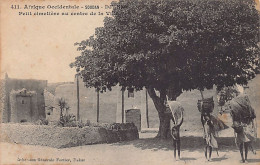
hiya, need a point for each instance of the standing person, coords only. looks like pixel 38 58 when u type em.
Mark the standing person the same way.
pixel 177 119
pixel 209 135
pixel 252 123
pixel 206 106
pixel 244 123
pixel 245 134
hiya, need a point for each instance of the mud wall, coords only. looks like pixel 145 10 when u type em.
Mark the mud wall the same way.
pixel 62 137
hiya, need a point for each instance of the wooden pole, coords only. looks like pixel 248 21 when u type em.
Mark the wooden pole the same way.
pixel 98 106
pixel 146 102
pixel 123 108
pixel 77 97
pixel 201 93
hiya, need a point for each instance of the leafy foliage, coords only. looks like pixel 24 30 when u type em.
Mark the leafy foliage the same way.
pixel 226 94
pixel 43 121
pixel 68 120
pixel 191 44
pixel 171 46
pixel 63 105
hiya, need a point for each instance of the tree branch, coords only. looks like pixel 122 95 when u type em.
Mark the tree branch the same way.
pixel 158 103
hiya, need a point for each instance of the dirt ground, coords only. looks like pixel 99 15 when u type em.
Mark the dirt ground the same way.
pixel 145 151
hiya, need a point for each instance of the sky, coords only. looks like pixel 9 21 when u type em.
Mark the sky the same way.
pixel 42 47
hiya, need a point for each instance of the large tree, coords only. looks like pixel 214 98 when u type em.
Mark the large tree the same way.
pixel 169 46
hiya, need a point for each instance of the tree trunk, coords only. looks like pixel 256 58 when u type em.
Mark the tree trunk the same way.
pixel 164 118
pixel 146 109
pixel 97 106
pixel 164 128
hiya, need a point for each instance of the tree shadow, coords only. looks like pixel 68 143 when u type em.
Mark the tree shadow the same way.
pixel 154 144
pixel 190 143
pixel 187 159
pixel 228 144
pixel 219 159
pixel 253 160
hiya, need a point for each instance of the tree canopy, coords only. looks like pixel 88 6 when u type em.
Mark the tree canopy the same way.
pixel 161 44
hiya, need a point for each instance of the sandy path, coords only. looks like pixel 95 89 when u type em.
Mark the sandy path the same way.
pixel 139 152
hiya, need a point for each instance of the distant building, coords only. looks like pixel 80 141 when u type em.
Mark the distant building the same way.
pixel 22 99
pixel 23 106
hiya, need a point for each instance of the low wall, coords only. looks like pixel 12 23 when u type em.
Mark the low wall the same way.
pixel 62 137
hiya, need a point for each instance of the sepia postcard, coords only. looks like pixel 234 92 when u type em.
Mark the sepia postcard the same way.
pixel 131 82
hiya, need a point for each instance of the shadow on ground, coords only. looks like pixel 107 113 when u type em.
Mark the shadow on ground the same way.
pixel 190 143
pixel 187 159
pixel 253 160
pixel 219 159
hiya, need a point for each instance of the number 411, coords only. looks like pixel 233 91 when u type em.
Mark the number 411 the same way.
pixel 15 7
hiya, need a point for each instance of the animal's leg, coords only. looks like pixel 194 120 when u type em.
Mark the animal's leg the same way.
pixel 241 152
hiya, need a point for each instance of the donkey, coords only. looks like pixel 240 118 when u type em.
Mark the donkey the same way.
pixel 177 118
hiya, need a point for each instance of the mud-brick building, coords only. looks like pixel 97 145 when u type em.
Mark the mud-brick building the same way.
pixel 22 99
pixel 23 105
